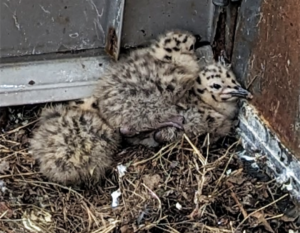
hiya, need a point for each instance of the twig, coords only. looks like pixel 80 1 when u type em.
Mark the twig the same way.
pixel 154 194
pixel 214 229
pixel 159 153
pixel 2 215
pixel 171 229
pixel 231 226
pixel 153 224
pixel 251 81
pixel 20 174
pixel 227 151
pixel 239 204
pixel 21 127
pixel 12 220
pixel 61 186
pixel 4 151
pixel 90 215
pixel 262 208
pixel 105 229
pixel 276 216
pixel 201 157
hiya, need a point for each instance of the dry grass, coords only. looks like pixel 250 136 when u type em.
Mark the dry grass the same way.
pixel 184 187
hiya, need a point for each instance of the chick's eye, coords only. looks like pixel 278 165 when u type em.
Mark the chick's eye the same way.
pixel 95 105
pixel 191 47
pixel 216 86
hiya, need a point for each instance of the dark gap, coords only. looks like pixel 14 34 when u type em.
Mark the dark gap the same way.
pixel 219 40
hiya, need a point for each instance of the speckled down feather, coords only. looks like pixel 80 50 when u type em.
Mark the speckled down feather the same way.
pixel 142 90
pixel 73 146
pixel 210 106
pixel 150 86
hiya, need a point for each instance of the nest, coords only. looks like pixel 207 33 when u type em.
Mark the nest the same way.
pixel 188 186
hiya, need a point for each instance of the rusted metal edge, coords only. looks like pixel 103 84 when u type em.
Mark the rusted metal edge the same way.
pixel 258 139
pixel 260 142
pixel 114 28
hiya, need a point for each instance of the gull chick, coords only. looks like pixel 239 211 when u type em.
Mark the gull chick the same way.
pixel 210 107
pixel 139 93
pixel 73 146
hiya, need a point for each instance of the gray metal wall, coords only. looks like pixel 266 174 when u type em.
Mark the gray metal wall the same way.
pixel 145 19
pixel 38 40
pixel 47 26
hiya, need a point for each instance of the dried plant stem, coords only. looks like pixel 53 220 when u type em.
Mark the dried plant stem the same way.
pixel 159 153
pixel 61 186
pixel 231 156
pixel 200 156
pixel 21 127
pixel 262 208
pixel 239 204
pixel 19 174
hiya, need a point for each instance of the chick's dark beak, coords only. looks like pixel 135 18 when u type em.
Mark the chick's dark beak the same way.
pixel 199 43
pixel 241 93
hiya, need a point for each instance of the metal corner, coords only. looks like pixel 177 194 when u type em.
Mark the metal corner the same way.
pixel 260 142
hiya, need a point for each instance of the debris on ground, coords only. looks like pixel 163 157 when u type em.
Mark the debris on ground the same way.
pixel 187 186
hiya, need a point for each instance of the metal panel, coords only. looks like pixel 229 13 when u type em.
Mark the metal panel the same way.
pixel 262 41
pixel 46 26
pixel 260 142
pixel 145 19
pixel 44 81
pixel 245 38
pixel 266 57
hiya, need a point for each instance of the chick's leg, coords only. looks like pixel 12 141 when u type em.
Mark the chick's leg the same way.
pixel 175 121
pixel 129 132
pixel 170 130
pixel 167 135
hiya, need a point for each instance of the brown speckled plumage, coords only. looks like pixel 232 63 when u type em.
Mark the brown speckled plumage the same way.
pixel 85 104
pixel 210 106
pixel 140 91
pixel 73 146
pixel 159 83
